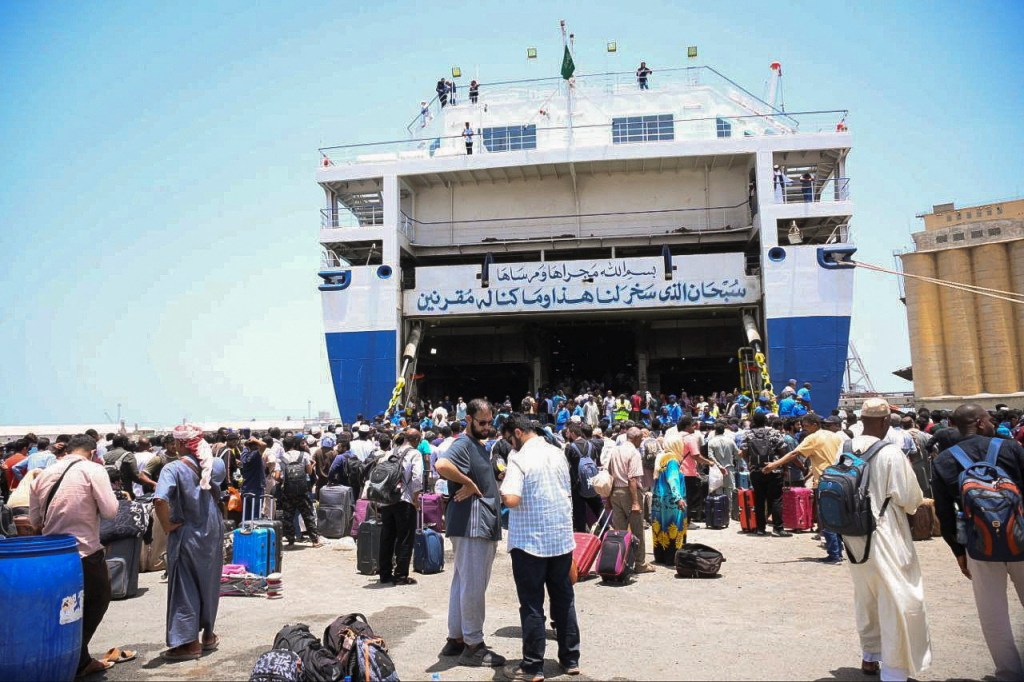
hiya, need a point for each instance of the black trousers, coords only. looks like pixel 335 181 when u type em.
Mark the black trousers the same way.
pixel 96 600
pixel 579 510
pixel 695 495
pixel 397 535
pixel 532 574
pixel 767 498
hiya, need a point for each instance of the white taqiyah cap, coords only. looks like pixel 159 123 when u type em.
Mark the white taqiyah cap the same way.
pixel 875 407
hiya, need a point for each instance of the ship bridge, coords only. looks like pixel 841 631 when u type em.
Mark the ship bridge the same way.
pixel 592 230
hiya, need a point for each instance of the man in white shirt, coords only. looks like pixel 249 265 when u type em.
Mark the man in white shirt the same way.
pixel 537 491
pixel 362 447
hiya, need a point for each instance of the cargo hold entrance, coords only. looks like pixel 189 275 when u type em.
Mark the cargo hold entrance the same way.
pixel 694 351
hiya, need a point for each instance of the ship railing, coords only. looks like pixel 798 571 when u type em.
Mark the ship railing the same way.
pixel 357 216
pixel 813 191
pixel 603 83
pixel 699 221
pixel 526 138
pixel 330 260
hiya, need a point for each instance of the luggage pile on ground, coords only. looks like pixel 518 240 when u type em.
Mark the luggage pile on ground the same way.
pixel 350 649
pixel 236 581
pixel 588 545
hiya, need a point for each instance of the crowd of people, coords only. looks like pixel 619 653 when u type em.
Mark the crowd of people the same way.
pixel 531 470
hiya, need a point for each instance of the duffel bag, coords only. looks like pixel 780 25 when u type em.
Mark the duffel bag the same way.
pixel 698 561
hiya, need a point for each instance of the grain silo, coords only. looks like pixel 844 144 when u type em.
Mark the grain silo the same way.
pixel 973 337
pixel 924 319
pixel 996 325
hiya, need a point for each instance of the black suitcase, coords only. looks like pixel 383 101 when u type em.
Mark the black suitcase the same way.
pixel 716 511
pixel 268 523
pixel 336 496
pixel 333 522
pixel 123 557
pixel 368 547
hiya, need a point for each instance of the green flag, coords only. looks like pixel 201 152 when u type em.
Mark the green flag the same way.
pixel 567 65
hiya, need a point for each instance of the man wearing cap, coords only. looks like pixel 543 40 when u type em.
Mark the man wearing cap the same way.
pixel 887 588
pixel 762 406
pixel 185 503
pixel 801 408
pixel 821 448
pixel 362 447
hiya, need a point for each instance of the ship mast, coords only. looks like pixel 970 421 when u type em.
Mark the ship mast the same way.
pixel 569 81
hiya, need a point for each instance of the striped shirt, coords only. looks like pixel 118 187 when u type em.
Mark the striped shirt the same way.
pixel 542 523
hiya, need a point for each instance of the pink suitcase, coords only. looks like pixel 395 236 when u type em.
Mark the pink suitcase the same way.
pixel 797 508
pixel 433 511
pixel 364 509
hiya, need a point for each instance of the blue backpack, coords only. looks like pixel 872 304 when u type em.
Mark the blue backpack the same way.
pixel 990 504
pixel 587 470
pixel 844 503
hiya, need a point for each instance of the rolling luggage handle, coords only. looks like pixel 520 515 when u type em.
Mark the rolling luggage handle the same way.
pixel 597 524
pixel 249 499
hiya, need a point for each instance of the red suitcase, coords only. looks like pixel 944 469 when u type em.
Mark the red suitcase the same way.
pixel 748 519
pixel 797 508
pixel 588 545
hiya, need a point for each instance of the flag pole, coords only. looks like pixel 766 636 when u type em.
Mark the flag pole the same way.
pixel 568 89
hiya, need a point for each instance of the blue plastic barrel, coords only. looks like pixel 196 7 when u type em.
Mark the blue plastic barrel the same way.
pixel 41 597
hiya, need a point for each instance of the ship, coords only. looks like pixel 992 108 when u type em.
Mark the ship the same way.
pixel 675 234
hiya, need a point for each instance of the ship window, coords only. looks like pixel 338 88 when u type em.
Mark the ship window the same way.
pixel 976 233
pixel 724 127
pixel 949 219
pixel 958 236
pixel 643 128
pixel 968 214
pixel 993 231
pixel 988 212
pixel 510 138
pixel 941 239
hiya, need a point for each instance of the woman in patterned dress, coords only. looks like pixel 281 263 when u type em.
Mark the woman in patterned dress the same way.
pixel 668 508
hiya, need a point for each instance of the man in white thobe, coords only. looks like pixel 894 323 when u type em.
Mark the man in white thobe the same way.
pixel 887 587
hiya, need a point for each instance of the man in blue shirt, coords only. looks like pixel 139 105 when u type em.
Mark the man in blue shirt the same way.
pixel 562 417
pixel 805 393
pixel 786 406
pixel 801 407
pixel 675 410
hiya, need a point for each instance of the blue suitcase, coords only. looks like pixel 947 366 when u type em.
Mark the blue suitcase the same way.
pixel 743 479
pixel 255 548
pixel 716 511
pixel 428 552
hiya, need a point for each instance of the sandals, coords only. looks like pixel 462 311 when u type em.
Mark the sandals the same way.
pixel 869 667
pixel 93 667
pixel 116 655
pixel 181 653
pixel 212 644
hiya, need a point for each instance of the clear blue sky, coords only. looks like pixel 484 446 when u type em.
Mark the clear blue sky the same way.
pixel 158 210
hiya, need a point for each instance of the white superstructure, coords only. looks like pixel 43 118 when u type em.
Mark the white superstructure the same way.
pixel 647 221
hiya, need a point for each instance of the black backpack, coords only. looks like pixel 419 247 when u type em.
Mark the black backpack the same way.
pixel 386 484
pixel 295 481
pixel 361 654
pixel 318 664
pixel 759 452
pixel 354 473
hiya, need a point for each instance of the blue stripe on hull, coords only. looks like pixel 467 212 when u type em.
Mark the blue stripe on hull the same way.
pixel 363 370
pixel 810 349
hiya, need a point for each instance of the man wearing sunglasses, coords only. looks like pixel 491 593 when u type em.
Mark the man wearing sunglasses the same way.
pixel 473 524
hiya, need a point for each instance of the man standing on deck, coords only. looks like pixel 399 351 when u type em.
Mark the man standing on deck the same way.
pixel 186 506
pixel 467 133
